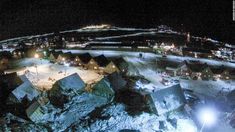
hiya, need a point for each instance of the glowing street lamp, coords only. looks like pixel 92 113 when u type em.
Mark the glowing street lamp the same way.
pixel 207 116
pixel 66 65
pixel 36 56
pixel 45 53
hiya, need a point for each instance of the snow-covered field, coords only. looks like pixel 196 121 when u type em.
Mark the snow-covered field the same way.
pixel 145 122
pixel 72 113
pixel 44 74
pixel 208 88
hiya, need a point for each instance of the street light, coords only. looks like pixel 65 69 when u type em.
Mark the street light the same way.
pixel 44 53
pixel 207 116
pixel 66 65
pixel 36 56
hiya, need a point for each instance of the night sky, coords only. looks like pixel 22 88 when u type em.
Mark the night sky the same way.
pixel 211 18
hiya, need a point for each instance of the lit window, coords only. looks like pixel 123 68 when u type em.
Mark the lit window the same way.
pixel 113 66
pixel 95 68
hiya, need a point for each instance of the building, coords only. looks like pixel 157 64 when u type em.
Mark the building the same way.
pixel 54 55
pixel 121 64
pixel 197 53
pixel 18 53
pixel 226 74
pixel 196 70
pixel 171 68
pixel 64 57
pixel 166 100
pixel 98 63
pixel 218 72
pixel 35 112
pixel 84 59
pixel 92 65
pixel 111 68
pixel 231 74
pixel 4 63
pixel 63 88
pixel 207 74
pixel 77 61
pixel 24 92
pixel 104 89
pixel 8 83
pixel 117 81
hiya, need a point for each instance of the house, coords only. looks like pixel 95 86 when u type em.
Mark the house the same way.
pixel 64 57
pixel 39 54
pixel 231 74
pixel 104 89
pixel 29 52
pixel 18 53
pixel 63 88
pixel 171 68
pixel 217 72
pixel 25 91
pixel 8 83
pixel 166 100
pixel 4 63
pixel 85 58
pixel 197 52
pixel 207 74
pixel 92 65
pixel 121 64
pixel 98 63
pixel 196 70
pixel 116 81
pixel 77 61
pixel 5 56
pixel 54 55
pixel 226 74
pixel 35 112
pixel 111 68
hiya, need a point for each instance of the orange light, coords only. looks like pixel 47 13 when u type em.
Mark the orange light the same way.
pixel 36 56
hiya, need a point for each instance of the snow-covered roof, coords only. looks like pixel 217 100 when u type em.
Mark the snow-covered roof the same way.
pixel 116 81
pixel 71 82
pixel 101 60
pixel 168 99
pixel 25 89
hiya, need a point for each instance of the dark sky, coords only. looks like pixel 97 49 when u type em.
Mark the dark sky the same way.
pixel 201 17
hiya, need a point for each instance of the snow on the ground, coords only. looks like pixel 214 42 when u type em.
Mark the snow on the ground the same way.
pixel 77 108
pixel 203 60
pixel 16 124
pixel 208 88
pixel 145 122
pixel 146 67
pixel 40 70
